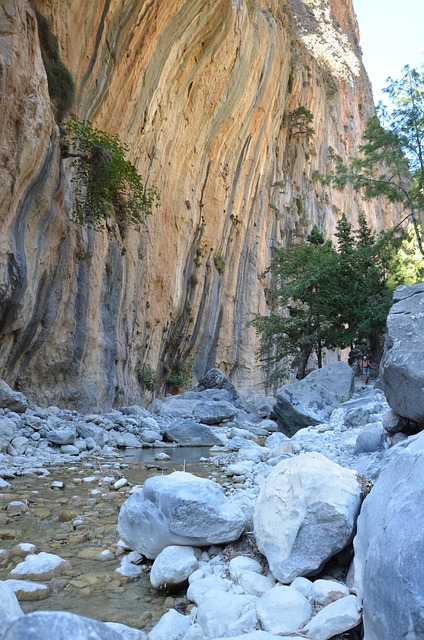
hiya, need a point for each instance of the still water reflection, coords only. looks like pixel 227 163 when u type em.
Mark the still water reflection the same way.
pixel 78 522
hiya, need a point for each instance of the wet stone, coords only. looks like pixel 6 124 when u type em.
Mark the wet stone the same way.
pixel 17 508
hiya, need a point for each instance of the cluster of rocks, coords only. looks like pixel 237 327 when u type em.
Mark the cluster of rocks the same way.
pixel 317 526
pixel 30 435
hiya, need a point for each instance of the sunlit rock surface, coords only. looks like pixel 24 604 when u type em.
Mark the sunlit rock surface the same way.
pixel 202 93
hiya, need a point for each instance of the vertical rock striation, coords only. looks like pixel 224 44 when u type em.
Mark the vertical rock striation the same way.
pixel 201 90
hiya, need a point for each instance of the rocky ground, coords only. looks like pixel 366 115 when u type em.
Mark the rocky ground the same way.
pixel 220 538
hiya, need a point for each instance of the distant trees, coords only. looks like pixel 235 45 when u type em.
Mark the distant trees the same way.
pixel 334 296
pixel 390 161
pixel 326 297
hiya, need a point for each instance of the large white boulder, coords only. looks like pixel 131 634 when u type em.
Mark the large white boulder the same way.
pixel 336 618
pixel 178 509
pixel 171 625
pixel 199 590
pixel 283 610
pixel 173 566
pixel 402 365
pixel 304 514
pixel 389 547
pixel 224 614
pixel 311 401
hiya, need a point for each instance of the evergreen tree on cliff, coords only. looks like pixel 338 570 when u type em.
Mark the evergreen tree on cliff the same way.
pixel 326 297
pixel 390 161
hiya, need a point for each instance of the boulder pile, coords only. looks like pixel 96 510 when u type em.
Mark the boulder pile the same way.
pixel 314 530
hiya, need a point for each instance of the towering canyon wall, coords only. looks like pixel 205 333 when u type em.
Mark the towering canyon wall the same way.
pixel 200 90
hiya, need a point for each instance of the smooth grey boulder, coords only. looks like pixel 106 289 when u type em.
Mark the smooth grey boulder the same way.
pixel 127 633
pixel 389 547
pixel 283 610
pixel 312 400
pixel 304 514
pixel 180 509
pixel 402 364
pixel 57 625
pixel 191 434
pixel 370 440
pixel 13 400
pixel 173 566
pixel 215 380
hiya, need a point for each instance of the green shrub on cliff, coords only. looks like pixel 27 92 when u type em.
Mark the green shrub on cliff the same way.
pixel 106 185
pixel 147 377
pixel 60 82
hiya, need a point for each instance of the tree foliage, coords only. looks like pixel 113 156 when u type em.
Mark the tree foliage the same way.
pixel 390 160
pixel 326 296
pixel 105 183
pixel 300 122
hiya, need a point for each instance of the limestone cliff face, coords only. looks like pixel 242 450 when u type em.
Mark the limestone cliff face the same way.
pixel 201 91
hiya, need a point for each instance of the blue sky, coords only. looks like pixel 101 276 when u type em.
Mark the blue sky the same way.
pixel 392 35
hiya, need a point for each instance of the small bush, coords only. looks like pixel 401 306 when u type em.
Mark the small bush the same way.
pixel 180 376
pixel 60 82
pixel 147 377
pixel 105 183
pixel 219 263
pixel 300 122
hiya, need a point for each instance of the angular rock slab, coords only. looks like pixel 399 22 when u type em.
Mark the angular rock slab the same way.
pixel 179 509
pixel 389 548
pixel 312 400
pixel 188 433
pixel 402 365
pixel 13 400
pixel 58 625
pixel 304 514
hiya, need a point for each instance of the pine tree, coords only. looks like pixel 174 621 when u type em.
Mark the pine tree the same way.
pixel 326 297
pixel 390 160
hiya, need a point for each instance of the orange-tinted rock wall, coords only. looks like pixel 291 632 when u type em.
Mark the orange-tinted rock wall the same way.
pixel 200 90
